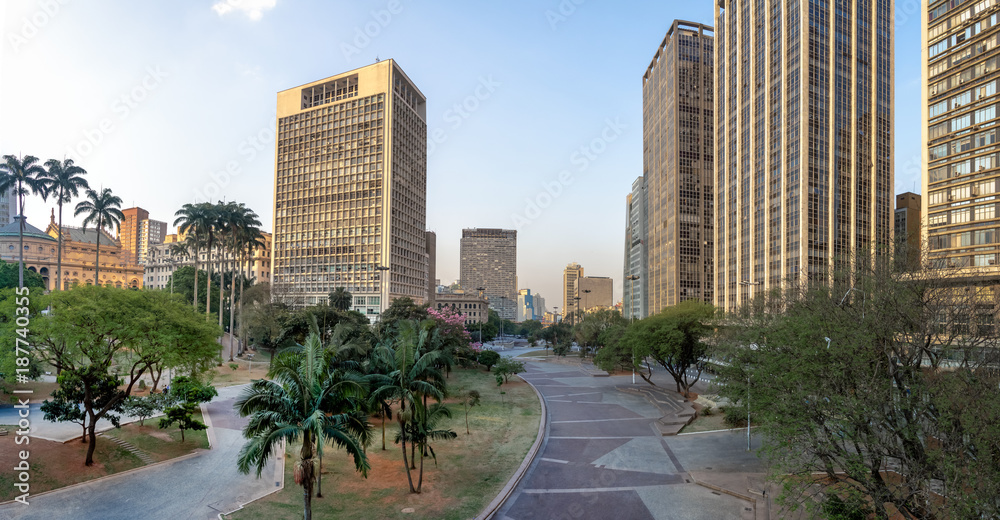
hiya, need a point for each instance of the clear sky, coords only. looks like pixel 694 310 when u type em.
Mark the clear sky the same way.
pixel 157 99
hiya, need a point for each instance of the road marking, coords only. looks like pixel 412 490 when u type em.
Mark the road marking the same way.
pixel 606 420
pixel 586 490
pixel 602 438
pixel 554 460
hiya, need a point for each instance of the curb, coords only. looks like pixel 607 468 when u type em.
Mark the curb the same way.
pixel 515 479
pixel 279 472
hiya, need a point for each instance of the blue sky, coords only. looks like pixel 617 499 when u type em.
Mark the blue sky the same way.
pixel 158 99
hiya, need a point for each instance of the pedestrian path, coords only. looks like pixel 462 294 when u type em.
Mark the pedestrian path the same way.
pixel 143 456
pixel 605 456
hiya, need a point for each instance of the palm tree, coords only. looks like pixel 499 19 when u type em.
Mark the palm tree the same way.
pixel 180 249
pixel 250 238
pixel 211 225
pixel 21 175
pixel 104 210
pixel 65 180
pixel 340 299
pixel 301 400
pixel 413 380
pixel 240 219
pixel 192 219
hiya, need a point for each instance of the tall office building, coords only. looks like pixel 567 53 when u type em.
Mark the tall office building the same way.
pixel 7 207
pixel 596 292
pixel 130 233
pixel 351 189
pixel 907 228
pixel 151 233
pixel 571 288
pixel 959 106
pixel 430 243
pixel 636 274
pixel 677 126
pixel 804 171
pixel 489 259
pixel 525 306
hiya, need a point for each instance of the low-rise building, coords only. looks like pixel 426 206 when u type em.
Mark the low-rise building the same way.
pixel 162 262
pixel 471 305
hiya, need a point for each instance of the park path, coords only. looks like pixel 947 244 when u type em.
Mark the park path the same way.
pixel 197 488
pixel 602 457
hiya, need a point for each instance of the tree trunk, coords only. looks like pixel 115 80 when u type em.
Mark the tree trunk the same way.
pixel 306 455
pixel 406 464
pixel 20 237
pixel 182 434
pixel 97 265
pixel 59 282
pixel 93 443
pixel 83 438
pixel 383 430
pixel 232 309
pixel 319 477
pixel 420 477
pixel 208 289
pixel 195 297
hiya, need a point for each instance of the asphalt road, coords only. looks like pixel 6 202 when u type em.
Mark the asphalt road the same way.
pixel 602 458
pixel 196 488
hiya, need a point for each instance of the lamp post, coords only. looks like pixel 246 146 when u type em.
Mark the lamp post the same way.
pixel 481 289
pixel 380 268
pixel 631 314
pixel 503 305
pixel 747 283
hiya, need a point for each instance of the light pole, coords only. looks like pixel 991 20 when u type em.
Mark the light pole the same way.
pixel 481 289
pixel 380 268
pixel 631 314
pixel 503 305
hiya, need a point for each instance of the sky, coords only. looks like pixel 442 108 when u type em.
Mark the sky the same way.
pixel 536 106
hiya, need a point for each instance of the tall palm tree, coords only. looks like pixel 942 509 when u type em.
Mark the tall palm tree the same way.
pixel 340 299
pixel 65 180
pixel 211 225
pixel 192 220
pixel 250 238
pixel 240 219
pixel 21 175
pixel 226 222
pixel 304 399
pixel 413 380
pixel 104 211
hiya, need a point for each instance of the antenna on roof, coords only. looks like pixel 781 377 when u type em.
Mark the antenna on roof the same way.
pixel 376 59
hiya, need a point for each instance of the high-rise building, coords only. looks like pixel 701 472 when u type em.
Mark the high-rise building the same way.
pixel 677 120
pixel 525 306
pixel 7 207
pixel 804 137
pixel 151 233
pixel 571 288
pixel 539 304
pixel 489 259
pixel 636 274
pixel 351 189
pixel 596 292
pixel 130 233
pixel 959 41
pixel 907 228
pixel 430 244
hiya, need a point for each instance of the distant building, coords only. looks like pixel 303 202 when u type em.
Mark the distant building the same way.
pixel 7 209
pixel 571 277
pixel 596 292
pixel 489 259
pixel 635 300
pixel 539 305
pixel 162 262
pixel 525 306
pixel 470 305
pixel 152 232
pixel 430 246
pixel 907 228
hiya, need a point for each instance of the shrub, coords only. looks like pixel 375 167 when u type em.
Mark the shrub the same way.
pixel 488 358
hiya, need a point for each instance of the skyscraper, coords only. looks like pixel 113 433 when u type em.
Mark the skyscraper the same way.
pixel 677 125
pixel 130 233
pixel 351 189
pixel 636 237
pixel 959 105
pixel 571 288
pixel 804 172
pixel 907 229
pixel 489 259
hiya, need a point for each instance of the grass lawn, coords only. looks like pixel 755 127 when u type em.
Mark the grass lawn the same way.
pixel 537 353
pixel 469 474
pixel 55 464
pixel 226 376
pixel 41 391
pixel 707 423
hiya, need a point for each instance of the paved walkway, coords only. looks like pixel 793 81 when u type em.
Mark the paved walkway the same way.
pixel 195 488
pixel 603 457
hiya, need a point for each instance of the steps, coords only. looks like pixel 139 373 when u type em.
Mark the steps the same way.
pixel 143 456
pixel 677 411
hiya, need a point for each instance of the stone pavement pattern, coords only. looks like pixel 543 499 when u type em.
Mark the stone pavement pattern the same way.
pixel 196 488
pixel 604 458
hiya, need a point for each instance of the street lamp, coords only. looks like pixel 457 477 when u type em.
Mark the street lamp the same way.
pixel 381 285
pixel 631 314
pixel 481 289
pixel 503 305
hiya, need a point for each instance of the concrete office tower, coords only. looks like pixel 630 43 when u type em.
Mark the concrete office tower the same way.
pixel 151 233
pixel 636 237
pixel 960 108
pixel 351 189
pixel 130 233
pixel 596 292
pixel 430 243
pixel 489 259
pixel 571 288
pixel 907 228
pixel 677 134
pixel 804 136
pixel 539 304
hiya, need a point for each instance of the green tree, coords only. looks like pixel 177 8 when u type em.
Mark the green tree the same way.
pixel 673 339
pixel 556 333
pixel 21 175
pixel 340 299
pixel 189 389
pixel 64 180
pixel 588 331
pixel 413 381
pixel 145 407
pixel 488 358
pixel 298 403
pixel 183 415
pixel 192 219
pixel 885 383
pixel 9 277
pixel 103 210
pixel 94 331
pixel 469 400
pixel 507 367
pixel 14 334
pixel 94 389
